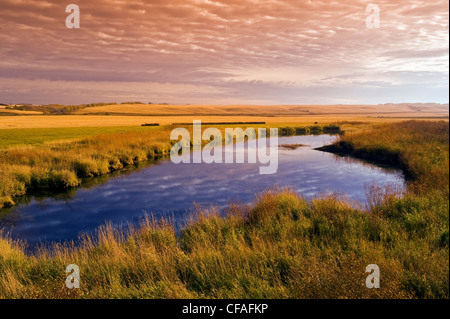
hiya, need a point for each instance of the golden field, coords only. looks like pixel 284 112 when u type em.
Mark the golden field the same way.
pixel 7 112
pixel 135 115
pixel 284 111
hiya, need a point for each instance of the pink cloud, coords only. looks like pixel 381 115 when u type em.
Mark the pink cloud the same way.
pixel 279 50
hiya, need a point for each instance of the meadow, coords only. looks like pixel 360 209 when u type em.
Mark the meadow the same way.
pixel 57 159
pixel 280 246
pixel 50 163
pixel 40 136
pixel 110 115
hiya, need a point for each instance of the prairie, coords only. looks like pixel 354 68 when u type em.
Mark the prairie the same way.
pixel 280 246
pixel 9 112
pixel 39 136
pixel 60 158
pixel 137 114
pixel 61 164
pixel 395 110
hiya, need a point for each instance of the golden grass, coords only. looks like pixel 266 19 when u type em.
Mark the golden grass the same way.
pixel 64 121
pixel 268 110
pixel 135 115
pixel 62 164
pixel 19 112
pixel 59 158
pixel 420 148
pixel 39 136
pixel 280 247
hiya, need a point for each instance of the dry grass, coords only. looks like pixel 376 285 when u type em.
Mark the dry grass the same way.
pixel 267 110
pixel 66 121
pixel 420 148
pixel 7 112
pixel 62 164
pixel 58 159
pixel 280 247
pixel 135 115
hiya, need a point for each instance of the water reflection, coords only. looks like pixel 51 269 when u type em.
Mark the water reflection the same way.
pixel 169 190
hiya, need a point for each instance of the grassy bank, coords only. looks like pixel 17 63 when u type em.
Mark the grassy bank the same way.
pixel 420 148
pixel 280 247
pixel 62 164
pixel 283 247
pixel 40 136
pixel 60 158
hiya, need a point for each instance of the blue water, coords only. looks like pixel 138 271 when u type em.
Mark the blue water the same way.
pixel 170 190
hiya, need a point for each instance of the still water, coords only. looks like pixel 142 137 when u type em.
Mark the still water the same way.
pixel 170 190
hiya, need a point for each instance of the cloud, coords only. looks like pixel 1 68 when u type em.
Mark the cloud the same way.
pixel 289 48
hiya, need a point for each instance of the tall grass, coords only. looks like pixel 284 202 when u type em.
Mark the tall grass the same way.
pixel 63 164
pixel 282 246
pixel 58 159
pixel 40 136
pixel 421 148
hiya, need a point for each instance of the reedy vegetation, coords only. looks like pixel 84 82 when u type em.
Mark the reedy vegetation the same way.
pixel 280 247
pixel 60 165
pixel 53 160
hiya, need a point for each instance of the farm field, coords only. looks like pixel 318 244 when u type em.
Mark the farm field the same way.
pixel 135 115
pixel 9 112
pixel 39 136
pixel 284 111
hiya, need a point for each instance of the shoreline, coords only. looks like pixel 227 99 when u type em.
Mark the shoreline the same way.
pixel 71 176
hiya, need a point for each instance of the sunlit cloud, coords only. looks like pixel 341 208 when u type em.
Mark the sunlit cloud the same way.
pixel 246 51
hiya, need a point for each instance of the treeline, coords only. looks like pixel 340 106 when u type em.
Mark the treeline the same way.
pixel 55 108
pixel 61 109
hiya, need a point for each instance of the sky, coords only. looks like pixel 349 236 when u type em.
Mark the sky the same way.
pixel 224 52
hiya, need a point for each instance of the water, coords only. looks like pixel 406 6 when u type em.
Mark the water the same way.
pixel 170 190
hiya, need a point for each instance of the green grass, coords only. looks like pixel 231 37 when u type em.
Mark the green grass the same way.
pixel 60 158
pixel 420 148
pixel 39 136
pixel 62 164
pixel 282 246
pixel 8 114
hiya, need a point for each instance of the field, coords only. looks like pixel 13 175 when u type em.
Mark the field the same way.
pixel 135 115
pixel 284 111
pixel 282 246
pixel 39 136
pixel 60 158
